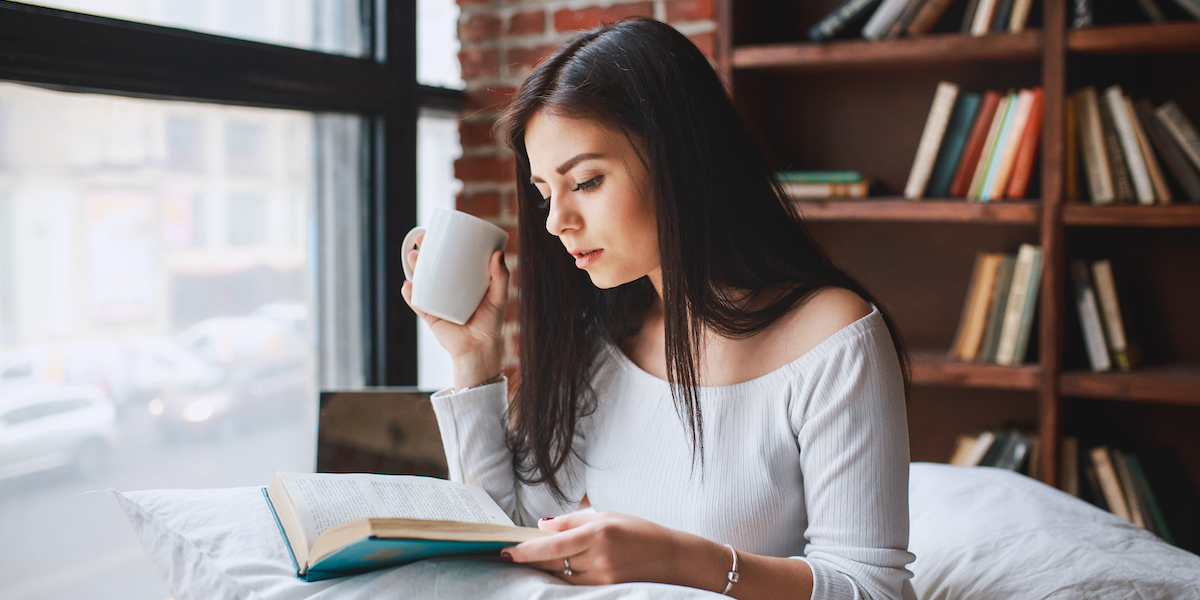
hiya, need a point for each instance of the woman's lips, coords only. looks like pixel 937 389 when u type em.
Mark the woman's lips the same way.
pixel 583 259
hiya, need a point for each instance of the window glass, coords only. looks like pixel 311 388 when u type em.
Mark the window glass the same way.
pixel 326 25
pixel 437 148
pixel 437 44
pixel 160 257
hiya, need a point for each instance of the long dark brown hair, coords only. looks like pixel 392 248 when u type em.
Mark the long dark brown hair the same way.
pixel 725 228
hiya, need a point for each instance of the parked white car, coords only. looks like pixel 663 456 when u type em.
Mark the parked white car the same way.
pixel 47 427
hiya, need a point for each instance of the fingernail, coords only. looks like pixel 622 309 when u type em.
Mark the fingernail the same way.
pixel 506 556
pixel 546 519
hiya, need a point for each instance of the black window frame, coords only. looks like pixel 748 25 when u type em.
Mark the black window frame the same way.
pixel 70 51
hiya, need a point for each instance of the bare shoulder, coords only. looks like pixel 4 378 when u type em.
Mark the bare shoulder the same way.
pixel 826 312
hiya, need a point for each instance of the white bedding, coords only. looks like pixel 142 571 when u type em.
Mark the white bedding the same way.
pixel 978 533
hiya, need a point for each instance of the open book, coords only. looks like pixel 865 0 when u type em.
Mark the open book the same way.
pixel 343 524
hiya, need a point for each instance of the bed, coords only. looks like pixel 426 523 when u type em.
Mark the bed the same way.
pixel 978 533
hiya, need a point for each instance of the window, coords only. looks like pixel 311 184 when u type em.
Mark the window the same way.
pixel 198 238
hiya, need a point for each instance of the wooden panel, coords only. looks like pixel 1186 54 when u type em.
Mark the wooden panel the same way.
pixel 935 369
pixel 924 50
pixel 1175 383
pixel 1181 36
pixel 1175 215
pixel 900 209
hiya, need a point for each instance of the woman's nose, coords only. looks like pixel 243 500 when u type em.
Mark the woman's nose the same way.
pixel 560 218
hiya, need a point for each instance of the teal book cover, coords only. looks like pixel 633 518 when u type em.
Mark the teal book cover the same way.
pixel 372 553
pixel 946 164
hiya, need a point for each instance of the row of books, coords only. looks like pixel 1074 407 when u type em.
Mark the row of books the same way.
pixel 1149 488
pixel 997 316
pixel 1100 315
pixel 1085 13
pixel 1013 450
pixel 891 19
pixel 1119 144
pixel 977 146
pixel 824 184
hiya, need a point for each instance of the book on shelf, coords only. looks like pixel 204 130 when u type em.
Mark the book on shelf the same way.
pixel 1091 142
pixel 1009 449
pixel 1022 171
pixel 996 305
pixel 975 144
pixel 1181 129
pixel 1000 19
pixel 1143 190
pixel 883 17
pixel 931 11
pixel 975 310
pixel 1162 192
pixel 342 524
pixel 1170 152
pixel 797 191
pixel 953 142
pixel 1122 184
pixel 1110 309
pixel 981 21
pixel 1149 487
pixel 970 450
pixel 1089 317
pixel 1006 154
pixel 819 176
pixel 1020 306
pixel 848 15
pixel 931 139
pixel 1003 111
pixel 900 25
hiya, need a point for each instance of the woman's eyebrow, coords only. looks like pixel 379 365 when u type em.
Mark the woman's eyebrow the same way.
pixel 567 166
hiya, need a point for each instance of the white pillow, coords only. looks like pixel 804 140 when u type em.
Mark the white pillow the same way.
pixel 224 544
pixel 983 533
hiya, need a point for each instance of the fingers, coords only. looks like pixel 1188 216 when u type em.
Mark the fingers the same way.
pixel 545 553
pixel 569 521
pixel 498 287
pixel 410 255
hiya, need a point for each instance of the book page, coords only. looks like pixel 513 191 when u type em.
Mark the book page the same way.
pixel 327 499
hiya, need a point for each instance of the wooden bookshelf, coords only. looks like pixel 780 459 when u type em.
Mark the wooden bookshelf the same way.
pixel 930 367
pixel 858 104
pixel 1125 215
pixel 927 50
pixel 954 210
pixel 1175 384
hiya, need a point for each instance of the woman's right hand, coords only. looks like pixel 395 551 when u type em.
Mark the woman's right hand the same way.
pixel 477 347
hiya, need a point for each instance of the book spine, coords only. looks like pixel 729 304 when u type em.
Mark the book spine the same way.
pixel 1159 524
pixel 1106 291
pixel 991 334
pixel 836 21
pixel 1000 147
pixel 983 17
pixel 1107 474
pixel 906 16
pixel 956 346
pixel 969 17
pixel 977 318
pixel 928 16
pixel 1181 129
pixel 931 139
pixel 1010 328
pixel 1171 154
pixel 819 176
pixel 983 446
pixel 1003 13
pixel 955 139
pixel 1191 6
pixel 1143 189
pixel 1081 14
pixel 1099 175
pixel 979 131
pixel 989 147
pixel 1020 16
pixel 882 18
pixel 1153 12
pixel 826 190
pixel 1071 156
pixel 1027 312
pixel 1023 169
pixel 1162 192
pixel 1089 318
pixel 1116 161
pixel 1007 159
pixel 1136 514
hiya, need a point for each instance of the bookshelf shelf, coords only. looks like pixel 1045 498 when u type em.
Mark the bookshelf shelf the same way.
pixel 1183 36
pixel 931 211
pixel 931 367
pixel 925 50
pixel 1174 215
pixel 1173 384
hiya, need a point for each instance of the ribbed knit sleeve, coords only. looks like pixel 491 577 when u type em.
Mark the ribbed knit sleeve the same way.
pixel 472 424
pixel 853 440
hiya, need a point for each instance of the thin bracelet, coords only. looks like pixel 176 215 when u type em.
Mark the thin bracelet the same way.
pixel 732 576
pixel 496 379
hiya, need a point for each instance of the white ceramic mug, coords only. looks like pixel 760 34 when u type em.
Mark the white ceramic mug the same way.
pixel 452 270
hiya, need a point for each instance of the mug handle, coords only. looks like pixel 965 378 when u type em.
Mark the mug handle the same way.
pixel 407 245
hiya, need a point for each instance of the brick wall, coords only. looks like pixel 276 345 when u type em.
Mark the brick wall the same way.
pixel 501 41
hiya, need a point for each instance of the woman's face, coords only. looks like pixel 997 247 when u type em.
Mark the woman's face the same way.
pixel 599 198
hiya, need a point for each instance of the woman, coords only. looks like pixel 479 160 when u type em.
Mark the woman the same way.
pixel 692 364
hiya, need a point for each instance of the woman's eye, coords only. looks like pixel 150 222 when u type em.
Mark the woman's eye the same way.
pixel 590 184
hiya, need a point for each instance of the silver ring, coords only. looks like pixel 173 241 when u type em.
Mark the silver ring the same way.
pixel 567 567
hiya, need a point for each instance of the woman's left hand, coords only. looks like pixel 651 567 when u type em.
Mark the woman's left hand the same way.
pixel 606 547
